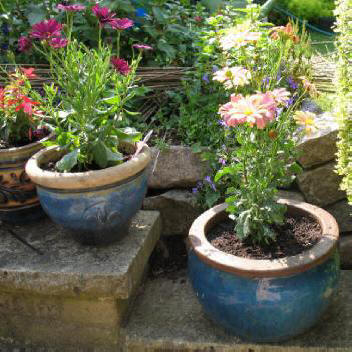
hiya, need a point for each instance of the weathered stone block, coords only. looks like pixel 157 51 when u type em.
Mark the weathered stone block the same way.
pixel 320 147
pixel 176 167
pixel 342 212
pixel 71 295
pixel 320 186
pixel 178 210
pixel 346 251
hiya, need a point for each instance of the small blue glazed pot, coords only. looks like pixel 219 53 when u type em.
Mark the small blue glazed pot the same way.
pixel 264 300
pixel 96 206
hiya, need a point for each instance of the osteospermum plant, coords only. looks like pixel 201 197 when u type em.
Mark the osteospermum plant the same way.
pixel 260 71
pixel 87 101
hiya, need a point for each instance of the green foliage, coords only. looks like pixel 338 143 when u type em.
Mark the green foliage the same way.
pixel 88 111
pixel 310 9
pixel 169 27
pixel 344 89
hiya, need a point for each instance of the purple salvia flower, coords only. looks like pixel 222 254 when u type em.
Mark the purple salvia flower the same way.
pixel 292 84
pixel 205 78
pixel 210 182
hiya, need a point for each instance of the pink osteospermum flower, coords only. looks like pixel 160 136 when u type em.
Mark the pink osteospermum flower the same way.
pixel 256 110
pixel 120 65
pixel 232 76
pixel 58 42
pixel 46 29
pixel 104 15
pixel 142 47
pixel 281 95
pixel 121 23
pixel 71 8
pixel 237 40
pixel 24 44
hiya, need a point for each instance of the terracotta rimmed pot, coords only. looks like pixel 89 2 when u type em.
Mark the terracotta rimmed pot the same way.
pixel 264 300
pixel 95 206
pixel 18 197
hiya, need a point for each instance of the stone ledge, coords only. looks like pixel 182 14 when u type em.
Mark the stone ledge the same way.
pixel 68 269
pixel 168 317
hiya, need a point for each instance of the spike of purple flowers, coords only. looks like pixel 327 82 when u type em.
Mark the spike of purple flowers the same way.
pixel 46 29
pixel 121 24
pixel 210 182
pixel 71 8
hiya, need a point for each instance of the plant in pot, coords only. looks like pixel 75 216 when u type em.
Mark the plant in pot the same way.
pixel 93 178
pixel 269 269
pixel 22 129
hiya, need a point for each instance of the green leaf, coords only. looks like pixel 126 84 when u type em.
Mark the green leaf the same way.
pixel 196 148
pixel 128 134
pixel 100 155
pixel 167 49
pixel 221 173
pixel 67 162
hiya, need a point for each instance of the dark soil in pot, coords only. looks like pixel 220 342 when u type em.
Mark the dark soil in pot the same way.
pixel 25 141
pixel 297 234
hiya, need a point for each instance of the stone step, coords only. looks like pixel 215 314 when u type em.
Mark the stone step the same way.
pixel 168 317
pixel 70 295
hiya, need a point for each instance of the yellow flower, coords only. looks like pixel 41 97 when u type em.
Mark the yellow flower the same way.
pixel 306 120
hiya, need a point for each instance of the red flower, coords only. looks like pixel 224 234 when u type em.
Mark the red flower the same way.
pixel 104 15
pixel 121 65
pixel 58 42
pixel 24 44
pixel 121 23
pixel 29 72
pixel 46 30
pixel 142 47
pixel 26 105
pixel 71 8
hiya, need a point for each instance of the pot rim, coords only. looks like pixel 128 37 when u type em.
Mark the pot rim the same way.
pixel 265 267
pixel 83 180
pixel 27 146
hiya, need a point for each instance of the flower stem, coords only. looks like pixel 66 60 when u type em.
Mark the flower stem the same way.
pixel 118 44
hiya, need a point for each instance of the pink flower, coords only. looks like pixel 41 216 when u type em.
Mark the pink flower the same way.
pixel 24 44
pixel 58 42
pixel 29 72
pixel 104 15
pixel 239 39
pixel 258 109
pixel 71 8
pixel 281 95
pixel 198 19
pixel 232 76
pixel 142 47
pixel 120 65
pixel 46 29
pixel 121 23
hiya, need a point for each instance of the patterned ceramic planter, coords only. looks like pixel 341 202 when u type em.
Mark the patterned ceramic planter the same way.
pixel 264 300
pixel 18 198
pixel 96 206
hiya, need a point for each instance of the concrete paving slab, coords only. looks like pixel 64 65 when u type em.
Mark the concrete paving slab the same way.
pixel 68 268
pixel 168 317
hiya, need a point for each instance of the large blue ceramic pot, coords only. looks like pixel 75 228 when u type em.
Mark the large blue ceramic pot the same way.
pixel 96 206
pixel 264 300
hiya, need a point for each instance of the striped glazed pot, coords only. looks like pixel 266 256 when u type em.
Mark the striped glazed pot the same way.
pixel 18 197
pixel 264 300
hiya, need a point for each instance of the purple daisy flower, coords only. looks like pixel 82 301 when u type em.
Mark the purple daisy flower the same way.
pixel 46 29
pixel 71 8
pixel 58 42
pixel 24 44
pixel 142 47
pixel 121 23
pixel 120 65
pixel 104 15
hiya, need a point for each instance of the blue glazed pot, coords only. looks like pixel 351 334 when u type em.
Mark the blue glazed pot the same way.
pixel 264 300
pixel 96 206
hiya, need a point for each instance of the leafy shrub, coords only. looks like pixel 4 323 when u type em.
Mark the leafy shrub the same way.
pixel 310 9
pixel 344 89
